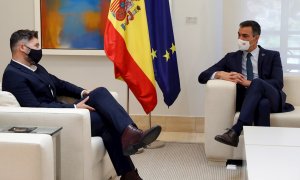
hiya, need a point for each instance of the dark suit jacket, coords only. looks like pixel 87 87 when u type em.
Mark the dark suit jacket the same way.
pixel 37 89
pixel 269 69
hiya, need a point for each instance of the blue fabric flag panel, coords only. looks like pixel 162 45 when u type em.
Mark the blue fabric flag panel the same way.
pixel 163 49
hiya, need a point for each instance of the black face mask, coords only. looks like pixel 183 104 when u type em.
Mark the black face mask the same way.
pixel 35 55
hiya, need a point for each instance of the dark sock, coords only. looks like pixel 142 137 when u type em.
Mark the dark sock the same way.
pixel 238 127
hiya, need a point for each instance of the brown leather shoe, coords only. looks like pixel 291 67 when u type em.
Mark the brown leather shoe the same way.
pixel 230 138
pixel 133 138
pixel 132 175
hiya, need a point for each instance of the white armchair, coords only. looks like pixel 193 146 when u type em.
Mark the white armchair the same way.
pixel 82 157
pixel 220 113
pixel 26 156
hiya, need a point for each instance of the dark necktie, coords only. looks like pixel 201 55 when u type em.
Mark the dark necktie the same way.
pixel 249 67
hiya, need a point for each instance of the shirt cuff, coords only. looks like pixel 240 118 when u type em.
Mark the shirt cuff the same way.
pixel 81 94
pixel 213 76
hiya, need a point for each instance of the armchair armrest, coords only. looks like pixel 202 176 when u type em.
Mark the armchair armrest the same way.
pixel 220 99
pixel 26 156
pixel 75 135
pixel 71 100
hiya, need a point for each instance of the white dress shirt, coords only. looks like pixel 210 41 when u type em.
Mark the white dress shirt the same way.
pixel 254 60
pixel 31 67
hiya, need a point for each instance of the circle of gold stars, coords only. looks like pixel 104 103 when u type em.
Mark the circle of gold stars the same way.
pixel 167 55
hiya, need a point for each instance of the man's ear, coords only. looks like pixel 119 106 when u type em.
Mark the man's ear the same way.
pixel 22 47
pixel 256 37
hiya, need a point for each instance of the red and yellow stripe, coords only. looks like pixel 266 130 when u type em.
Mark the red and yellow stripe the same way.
pixel 129 49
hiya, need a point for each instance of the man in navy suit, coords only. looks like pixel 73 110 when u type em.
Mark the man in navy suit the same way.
pixel 259 78
pixel 33 86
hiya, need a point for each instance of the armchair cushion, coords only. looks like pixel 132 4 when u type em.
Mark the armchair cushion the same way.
pixel 98 152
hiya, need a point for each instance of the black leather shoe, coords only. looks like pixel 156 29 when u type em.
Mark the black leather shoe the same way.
pixel 133 138
pixel 132 175
pixel 230 138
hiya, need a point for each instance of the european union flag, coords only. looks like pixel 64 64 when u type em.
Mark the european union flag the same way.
pixel 163 49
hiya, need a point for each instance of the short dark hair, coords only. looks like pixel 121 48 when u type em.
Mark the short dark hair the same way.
pixel 23 34
pixel 253 24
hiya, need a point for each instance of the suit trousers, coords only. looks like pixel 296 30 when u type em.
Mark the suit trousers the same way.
pixel 256 103
pixel 108 121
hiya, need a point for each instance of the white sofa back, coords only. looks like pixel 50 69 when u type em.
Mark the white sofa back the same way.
pixel 7 99
pixel 291 88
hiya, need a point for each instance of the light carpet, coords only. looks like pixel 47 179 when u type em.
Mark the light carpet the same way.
pixel 182 161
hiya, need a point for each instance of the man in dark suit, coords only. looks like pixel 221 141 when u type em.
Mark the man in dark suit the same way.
pixel 33 86
pixel 259 78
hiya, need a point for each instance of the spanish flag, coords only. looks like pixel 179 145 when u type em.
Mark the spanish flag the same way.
pixel 127 44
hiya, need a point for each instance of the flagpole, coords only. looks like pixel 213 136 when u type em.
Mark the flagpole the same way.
pixel 127 109
pixel 127 106
pixel 154 145
pixel 157 143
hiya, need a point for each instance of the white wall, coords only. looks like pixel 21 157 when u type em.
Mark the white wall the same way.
pixel 232 16
pixel 199 45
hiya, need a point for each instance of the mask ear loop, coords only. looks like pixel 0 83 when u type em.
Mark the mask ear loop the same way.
pixel 25 51
pixel 254 40
pixel 28 59
pixel 27 48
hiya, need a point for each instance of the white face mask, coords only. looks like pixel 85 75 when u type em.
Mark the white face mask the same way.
pixel 243 45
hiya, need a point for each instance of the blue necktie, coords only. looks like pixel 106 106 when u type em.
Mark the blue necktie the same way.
pixel 249 67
